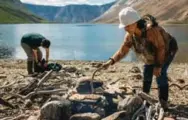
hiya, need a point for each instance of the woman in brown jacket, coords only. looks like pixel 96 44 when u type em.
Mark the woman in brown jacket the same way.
pixel 152 44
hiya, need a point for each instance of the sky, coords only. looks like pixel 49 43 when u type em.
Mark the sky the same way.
pixel 66 2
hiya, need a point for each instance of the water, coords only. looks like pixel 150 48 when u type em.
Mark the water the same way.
pixel 77 41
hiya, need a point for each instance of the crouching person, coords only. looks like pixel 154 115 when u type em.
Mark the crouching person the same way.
pixel 152 44
pixel 31 43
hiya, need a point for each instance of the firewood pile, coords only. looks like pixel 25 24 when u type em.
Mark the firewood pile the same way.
pixel 84 99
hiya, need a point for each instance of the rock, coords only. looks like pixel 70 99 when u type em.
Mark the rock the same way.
pixel 137 76
pixel 2 72
pixel 85 116
pixel 27 112
pixel 122 115
pixel 86 68
pixel 135 70
pixel 83 86
pixel 28 103
pixel 130 104
pixel 56 110
pixel 167 118
pixel 181 81
pixel 169 79
pixel 79 73
pixel 97 65
pixel 70 69
pixel 81 97
pixel 36 113
pixel 90 103
pixel 115 89
pixel 33 118
pixel 112 71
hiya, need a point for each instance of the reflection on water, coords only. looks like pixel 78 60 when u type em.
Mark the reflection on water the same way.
pixel 5 51
pixel 79 41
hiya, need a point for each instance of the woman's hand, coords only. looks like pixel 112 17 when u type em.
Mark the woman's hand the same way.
pixel 107 64
pixel 157 72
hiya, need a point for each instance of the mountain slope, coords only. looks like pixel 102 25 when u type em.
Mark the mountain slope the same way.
pixel 69 13
pixel 166 11
pixel 12 11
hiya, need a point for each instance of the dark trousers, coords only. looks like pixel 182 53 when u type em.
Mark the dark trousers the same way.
pixel 162 80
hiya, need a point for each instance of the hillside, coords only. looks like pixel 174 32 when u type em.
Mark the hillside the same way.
pixel 166 11
pixel 69 13
pixel 13 11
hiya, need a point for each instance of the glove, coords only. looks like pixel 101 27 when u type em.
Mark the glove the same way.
pixel 157 72
pixel 45 65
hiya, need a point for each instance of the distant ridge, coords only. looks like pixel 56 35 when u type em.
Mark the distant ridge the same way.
pixel 166 11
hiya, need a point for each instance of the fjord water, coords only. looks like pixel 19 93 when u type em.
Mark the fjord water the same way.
pixel 79 41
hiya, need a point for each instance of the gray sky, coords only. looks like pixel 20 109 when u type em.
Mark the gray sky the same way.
pixel 66 2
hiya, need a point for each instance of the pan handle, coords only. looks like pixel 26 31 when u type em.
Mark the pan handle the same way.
pixel 99 69
pixel 91 82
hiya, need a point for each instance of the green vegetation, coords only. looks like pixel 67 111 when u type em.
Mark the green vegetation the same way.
pixel 12 11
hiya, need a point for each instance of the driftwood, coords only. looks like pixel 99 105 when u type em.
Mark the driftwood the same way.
pixel 6 86
pixel 16 118
pixel 135 115
pixel 3 102
pixel 148 98
pixel 45 78
pixel 28 96
pixel 35 84
pixel 149 113
pixel 161 114
pixel 29 88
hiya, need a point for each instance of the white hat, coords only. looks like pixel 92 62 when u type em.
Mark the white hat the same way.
pixel 128 16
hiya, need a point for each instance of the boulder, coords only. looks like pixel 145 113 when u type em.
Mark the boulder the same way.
pixel 84 85
pixel 135 70
pixel 88 103
pixel 56 110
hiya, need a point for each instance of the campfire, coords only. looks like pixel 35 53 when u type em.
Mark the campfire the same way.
pixel 89 99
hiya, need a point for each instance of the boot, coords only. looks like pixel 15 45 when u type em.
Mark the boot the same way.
pixel 29 67
pixel 164 104
pixel 163 97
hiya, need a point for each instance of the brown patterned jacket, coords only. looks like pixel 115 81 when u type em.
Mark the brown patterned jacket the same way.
pixel 153 49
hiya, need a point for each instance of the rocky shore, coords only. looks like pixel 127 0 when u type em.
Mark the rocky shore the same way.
pixel 13 77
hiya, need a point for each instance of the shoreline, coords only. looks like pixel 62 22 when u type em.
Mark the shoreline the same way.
pixel 14 72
